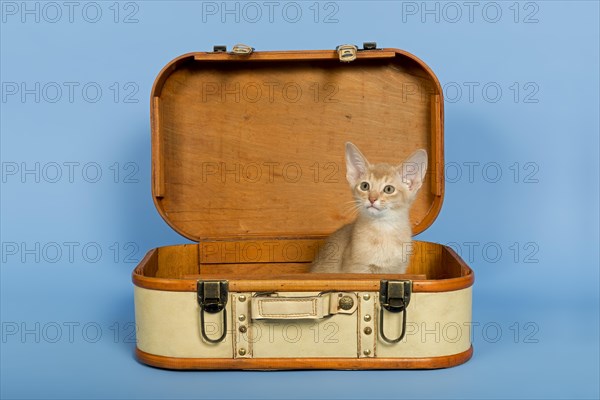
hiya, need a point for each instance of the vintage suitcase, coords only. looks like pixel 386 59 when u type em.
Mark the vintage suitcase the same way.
pixel 248 163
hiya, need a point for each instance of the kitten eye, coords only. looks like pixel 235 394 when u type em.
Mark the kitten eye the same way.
pixel 389 189
pixel 364 186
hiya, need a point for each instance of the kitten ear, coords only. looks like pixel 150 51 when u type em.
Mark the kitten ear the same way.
pixel 413 169
pixel 356 164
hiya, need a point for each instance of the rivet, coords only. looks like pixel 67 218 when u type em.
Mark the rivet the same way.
pixel 366 296
pixel 242 298
pixel 368 330
pixel 346 303
pixel 242 352
pixel 367 318
pixel 242 318
pixel 367 352
pixel 243 328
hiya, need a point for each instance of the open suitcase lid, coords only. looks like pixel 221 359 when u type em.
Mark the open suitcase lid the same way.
pixel 252 145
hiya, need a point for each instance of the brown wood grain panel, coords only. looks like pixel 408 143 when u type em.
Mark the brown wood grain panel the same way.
pixel 425 258
pixel 176 261
pixel 246 148
pixel 255 269
pixel 245 251
pixel 148 266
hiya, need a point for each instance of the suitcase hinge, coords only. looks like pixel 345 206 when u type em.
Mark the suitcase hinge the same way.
pixel 347 52
pixel 370 46
pixel 394 297
pixel 242 49
pixel 237 49
pixel 212 299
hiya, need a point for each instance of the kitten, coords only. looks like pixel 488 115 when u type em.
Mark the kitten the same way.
pixel 379 240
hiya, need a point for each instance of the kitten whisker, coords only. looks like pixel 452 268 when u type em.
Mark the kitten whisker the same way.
pixel 352 207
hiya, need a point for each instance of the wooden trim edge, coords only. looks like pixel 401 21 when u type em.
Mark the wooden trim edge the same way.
pixel 305 285
pixel 289 55
pixel 302 363
pixel 158 186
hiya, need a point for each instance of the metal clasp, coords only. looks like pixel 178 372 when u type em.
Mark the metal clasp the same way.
pixel 394 297
pixel 212 298
pixel 347 52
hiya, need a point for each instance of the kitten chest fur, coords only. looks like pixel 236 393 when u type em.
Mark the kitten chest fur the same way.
pixel 379 245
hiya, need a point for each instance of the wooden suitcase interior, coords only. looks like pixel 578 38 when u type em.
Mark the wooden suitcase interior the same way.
pixel 433 267
pixel 248 163
pixel 253 146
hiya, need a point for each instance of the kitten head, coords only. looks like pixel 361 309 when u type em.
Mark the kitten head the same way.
pixel 383 188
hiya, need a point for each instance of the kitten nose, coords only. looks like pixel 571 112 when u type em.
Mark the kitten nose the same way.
pixel 372 199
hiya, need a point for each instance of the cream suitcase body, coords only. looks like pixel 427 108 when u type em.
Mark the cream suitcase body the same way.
pixel 247 156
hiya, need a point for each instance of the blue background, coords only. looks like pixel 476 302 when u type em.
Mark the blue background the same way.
pixel 67 318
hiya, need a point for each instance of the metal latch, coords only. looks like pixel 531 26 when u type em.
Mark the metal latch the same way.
pixel 394 296
pixel 212 299
pixel 347 52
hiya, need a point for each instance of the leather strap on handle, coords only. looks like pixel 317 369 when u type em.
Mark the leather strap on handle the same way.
pixel 313 307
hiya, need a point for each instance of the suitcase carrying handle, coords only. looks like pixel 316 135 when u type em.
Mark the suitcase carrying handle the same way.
pixel 321 306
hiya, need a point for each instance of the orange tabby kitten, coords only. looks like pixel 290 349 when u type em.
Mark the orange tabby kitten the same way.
pixel 379 240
